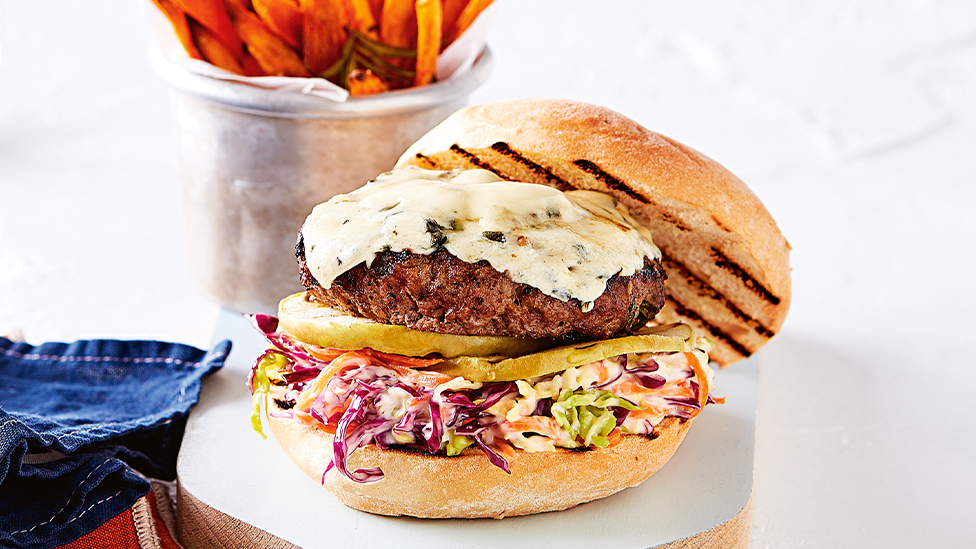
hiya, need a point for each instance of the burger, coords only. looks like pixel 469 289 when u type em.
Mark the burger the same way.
pixel 521 317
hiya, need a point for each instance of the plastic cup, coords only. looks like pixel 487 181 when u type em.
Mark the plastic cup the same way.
pixel 254 163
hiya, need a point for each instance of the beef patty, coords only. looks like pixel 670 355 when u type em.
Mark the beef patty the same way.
pixel 441 293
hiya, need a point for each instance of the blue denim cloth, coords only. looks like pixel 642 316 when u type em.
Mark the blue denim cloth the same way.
pixel 76 419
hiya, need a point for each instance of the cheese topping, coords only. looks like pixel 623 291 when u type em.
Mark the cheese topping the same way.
pixel 568 245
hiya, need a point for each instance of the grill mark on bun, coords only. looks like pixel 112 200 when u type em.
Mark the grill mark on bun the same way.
pixel 610 181
pixel 684 311
pixel 503 149
pixel 426 160
pixel 674 221
pixel 707 290
pixel 720 225
pixel 470 157
pixel 417 450
pixel 722 261
pixel 284 404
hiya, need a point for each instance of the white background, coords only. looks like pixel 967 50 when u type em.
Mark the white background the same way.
pixel 854 121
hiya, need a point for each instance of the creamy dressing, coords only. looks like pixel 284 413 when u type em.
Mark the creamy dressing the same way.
pixel 579 402
pixel 568 245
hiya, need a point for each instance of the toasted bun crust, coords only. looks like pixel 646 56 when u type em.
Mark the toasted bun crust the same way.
pixel 727 262
pixel 469 486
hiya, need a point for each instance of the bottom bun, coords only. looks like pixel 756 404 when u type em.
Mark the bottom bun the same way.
pixel 469 486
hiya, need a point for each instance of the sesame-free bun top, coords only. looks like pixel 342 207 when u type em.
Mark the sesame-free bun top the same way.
pixel 726 260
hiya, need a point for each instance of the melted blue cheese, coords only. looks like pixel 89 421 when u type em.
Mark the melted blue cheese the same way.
pixel 565 244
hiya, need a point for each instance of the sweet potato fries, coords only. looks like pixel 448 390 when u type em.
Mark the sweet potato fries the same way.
pixel 365 46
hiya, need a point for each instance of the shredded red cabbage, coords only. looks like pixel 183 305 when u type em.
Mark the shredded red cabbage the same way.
pixel 494 457
pixel 433 432
pixel 620 414
pixel 687 402
pixel 464 400
pixel 268 326
pixel 356 394
pixel 302 375
pixel 646 365
pixel 346 442
pixel 651 381
pixel 543 407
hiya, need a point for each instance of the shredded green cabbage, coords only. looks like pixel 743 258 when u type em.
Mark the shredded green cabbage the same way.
pixel 586 415
pixel 457 443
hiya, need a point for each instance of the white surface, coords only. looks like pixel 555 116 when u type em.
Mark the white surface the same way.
pixel 715 458
pixel 854 121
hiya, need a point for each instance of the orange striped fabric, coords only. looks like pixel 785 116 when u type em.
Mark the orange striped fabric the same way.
pixel 141 527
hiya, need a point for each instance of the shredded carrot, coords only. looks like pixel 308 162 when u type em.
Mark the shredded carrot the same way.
pixel 615 437
pixel 307 419
pixel 648 412
pixel 390 359
pixel 324 353
pixel 328 354
pixel 348 358
pixel 504 448
pixel 603 372
pixel 427 379
pixel 702 380
pixel 343 361
pixel 537 424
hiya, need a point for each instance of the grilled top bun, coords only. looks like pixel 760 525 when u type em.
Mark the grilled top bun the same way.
pixel 726 260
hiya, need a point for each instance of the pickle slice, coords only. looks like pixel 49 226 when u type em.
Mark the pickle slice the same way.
pixel 320 325
pixel 670 337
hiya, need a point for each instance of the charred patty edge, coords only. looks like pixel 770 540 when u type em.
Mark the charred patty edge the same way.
pixel 442 293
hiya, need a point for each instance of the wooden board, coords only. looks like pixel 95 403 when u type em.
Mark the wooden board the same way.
pixel 237 490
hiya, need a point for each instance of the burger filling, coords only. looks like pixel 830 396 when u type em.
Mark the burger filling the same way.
pixel 567 245
pixel 465 253
pixel 367 397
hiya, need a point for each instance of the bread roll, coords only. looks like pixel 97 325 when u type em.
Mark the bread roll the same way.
pixel 726 260
pixel 728 276
pixel 468 485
